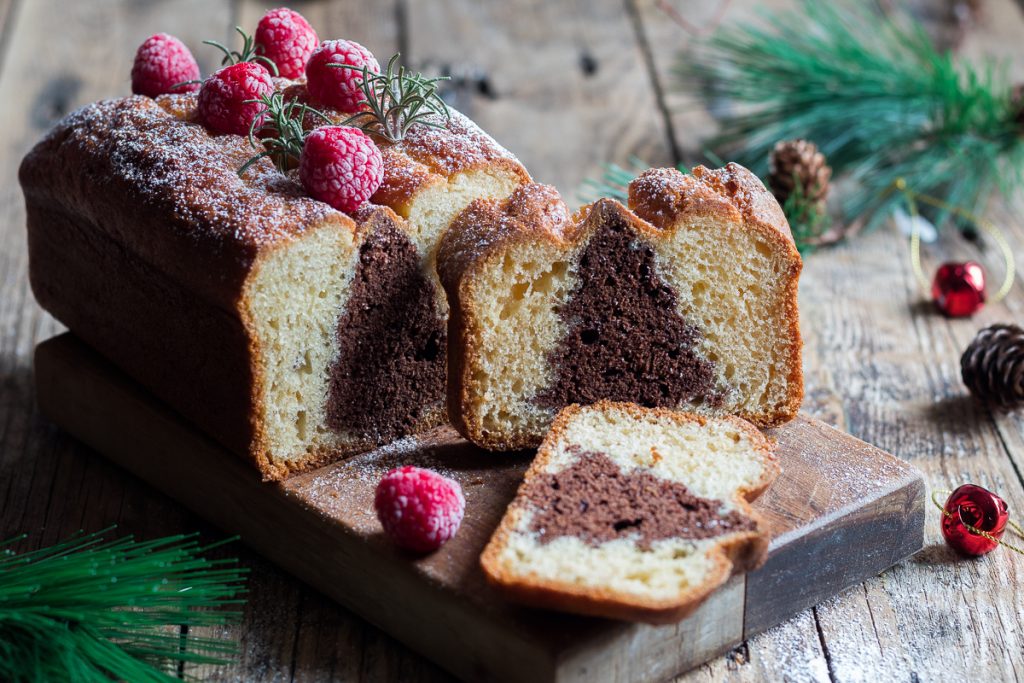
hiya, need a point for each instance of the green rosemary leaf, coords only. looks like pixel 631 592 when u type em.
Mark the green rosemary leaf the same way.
pixel 395 100
pixel 287 122
pixel 248 53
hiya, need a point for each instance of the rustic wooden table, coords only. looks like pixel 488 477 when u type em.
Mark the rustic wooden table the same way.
pixel 566 85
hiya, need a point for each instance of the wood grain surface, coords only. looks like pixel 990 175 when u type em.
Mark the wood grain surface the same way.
pixel 879 363
pixel 841 511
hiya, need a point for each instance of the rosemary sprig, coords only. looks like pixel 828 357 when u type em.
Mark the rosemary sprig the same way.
pixel 248 53
pixel 91 609
pixel 396 100
pixel 287 120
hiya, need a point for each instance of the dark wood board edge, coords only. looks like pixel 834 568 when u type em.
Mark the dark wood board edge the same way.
pixel 887 529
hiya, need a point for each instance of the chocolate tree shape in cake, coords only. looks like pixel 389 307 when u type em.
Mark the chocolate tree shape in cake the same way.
pixel 625 339
pixel 550 309
pixel 390 366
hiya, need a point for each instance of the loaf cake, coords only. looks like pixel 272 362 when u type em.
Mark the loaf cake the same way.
pixel 633 513
pixel 692 304
pixel 291 332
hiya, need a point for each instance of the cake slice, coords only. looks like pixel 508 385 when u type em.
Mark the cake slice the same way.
pixel 698 313
pixel 633 513
pixel 291 332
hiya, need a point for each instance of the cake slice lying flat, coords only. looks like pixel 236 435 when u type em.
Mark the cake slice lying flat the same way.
pixel 698 313
pixel 633 513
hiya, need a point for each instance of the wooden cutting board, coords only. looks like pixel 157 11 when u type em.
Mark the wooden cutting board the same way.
pixel 841 511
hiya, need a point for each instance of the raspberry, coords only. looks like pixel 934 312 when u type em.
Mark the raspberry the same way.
pixel 286 38
pixel 340 166
pixel 420 509
pixel 334 87
pixel 225 104
pixel 161 62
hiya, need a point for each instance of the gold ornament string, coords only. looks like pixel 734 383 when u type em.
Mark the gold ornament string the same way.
pixel 994 232
pixel 975 530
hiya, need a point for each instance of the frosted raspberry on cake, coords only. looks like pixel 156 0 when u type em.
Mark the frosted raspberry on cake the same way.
pixel 633 513
pixel 285 37
pixel 698 313
pixel 163 65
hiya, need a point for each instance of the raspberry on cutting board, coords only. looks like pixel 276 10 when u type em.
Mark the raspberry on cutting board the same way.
pixel 286 38
pixel 419 509
pixel 341 166
pixel 161 63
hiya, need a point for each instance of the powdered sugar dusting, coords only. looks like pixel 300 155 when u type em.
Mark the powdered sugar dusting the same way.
pixel 177 169
pixel 343 492
pixel 456 145
pixel 532 212
pixel 427 154
pixel 663 195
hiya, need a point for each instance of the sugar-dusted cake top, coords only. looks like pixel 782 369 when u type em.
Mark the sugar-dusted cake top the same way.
pixel 425 156
pixel 662 196
pixel 171 188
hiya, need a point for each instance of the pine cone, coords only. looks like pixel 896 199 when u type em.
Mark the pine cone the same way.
pixel 992 367
pixel 799 161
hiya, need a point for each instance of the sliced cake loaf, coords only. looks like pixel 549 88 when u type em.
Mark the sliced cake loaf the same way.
pixel 698 313
pixel 633 513
pixel 289 331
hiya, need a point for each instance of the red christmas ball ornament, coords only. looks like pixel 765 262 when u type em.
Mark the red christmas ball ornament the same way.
pixel 959 289
pixel 974 506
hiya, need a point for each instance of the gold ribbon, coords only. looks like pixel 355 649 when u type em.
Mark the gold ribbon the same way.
pixel 994 232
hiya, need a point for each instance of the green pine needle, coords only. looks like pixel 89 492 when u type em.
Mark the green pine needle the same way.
pixel 806 221
pixel 91 609
pixel 873 93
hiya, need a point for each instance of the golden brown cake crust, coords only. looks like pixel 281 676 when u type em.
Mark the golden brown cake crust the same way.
pixel 427 156
pixel 533 212
pixel 662 196
pixel 743 552
pixel 665 197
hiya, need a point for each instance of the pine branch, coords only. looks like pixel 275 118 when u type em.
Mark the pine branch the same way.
pixel 873 93
pixel 91 609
